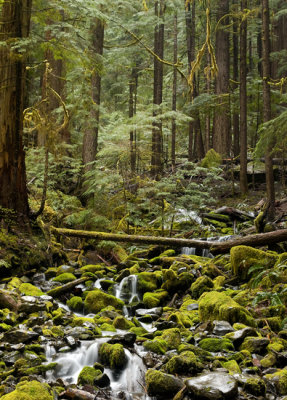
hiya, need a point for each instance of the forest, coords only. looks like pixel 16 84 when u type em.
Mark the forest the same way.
pixel 143 199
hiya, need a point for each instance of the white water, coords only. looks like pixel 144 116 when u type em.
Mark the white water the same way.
pixel 127 380
pixel 127 289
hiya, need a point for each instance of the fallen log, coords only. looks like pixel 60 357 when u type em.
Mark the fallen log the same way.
pixel 59 290
pixel 216 247
pixel 77 394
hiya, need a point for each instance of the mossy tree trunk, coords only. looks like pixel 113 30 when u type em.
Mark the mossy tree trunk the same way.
pixel 14 25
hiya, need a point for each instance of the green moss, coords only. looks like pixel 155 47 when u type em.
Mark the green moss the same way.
pixel 108 327
pixel 139 331
pixel 201 285
pixel 216 345
pixel 32 390
pixel 218 282
pixel 158 346
pixel 112 355
pixel 80 321
pixel 122 323
pixel 256 386
pixel 96 300
pixel 161 384
pixel 154 299
pixel 65 278
pixel 185 363
pixel 232 367
pixel 88 375
pixel 92 268
pixel 279 380
pixel 75 303
pixel 147 282
pixel 172 337
pixel 211 159
pixel 30 290
pixel 4 327
pixel 268 361
pixel 14 283
pixel 244 257
pixel 219 306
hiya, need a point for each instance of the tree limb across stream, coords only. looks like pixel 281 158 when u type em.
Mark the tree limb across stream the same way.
pixel 215 247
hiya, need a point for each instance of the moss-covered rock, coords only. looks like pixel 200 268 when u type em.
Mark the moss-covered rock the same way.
pixel 122 323
pixel 112 355
pixel 96 300
pixel 161 384
pixel 232 366
pixel 92 268
pixel 201 285
pixel 76 303
pixel 147 281
pixel 30 290
pixel 211 159
pixel 157 345
pixel 185 363
pixel 154 299
pixel 255 345
pixel 244 257
pixel 279 381
pixel 32 390
pixel 65 278
pixel 216 345
pixel 172 337
pixel 218 306
pixel 88 375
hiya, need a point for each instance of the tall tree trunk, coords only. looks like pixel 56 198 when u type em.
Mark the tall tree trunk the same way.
pixel 190 43
pixel 279 41
pixel 14 24
pixel 174 89
pixel 90 141
pixel 266 69
pixel 221 138
pixel 243 102
pixel 207 118
pixel 132 111
pixel 236 143
pixel 157 145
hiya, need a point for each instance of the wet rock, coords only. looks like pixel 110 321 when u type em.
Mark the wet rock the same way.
pixel 277 381
pixel 102 381
pixel 127 339
pixel 20 336
pixel 221 328
pixel 156 312
pixel 112 355
pixel 252 384
pixel 186 363
pixel 212 386
pixel 162 385
pixel 192 307
pixel 162 325
pixel 96 300
pixel 237 337
pixel 88 375
pixel 255 345
pixel 72 342
pixel 33 304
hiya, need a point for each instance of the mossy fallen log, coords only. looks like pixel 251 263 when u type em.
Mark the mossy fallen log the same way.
pixel 216 247
pixel 59 290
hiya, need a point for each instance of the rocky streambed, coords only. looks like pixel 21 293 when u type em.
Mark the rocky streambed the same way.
pixel 157 325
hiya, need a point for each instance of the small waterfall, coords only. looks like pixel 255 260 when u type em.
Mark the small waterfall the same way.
pixel 127 289
pixel 69 365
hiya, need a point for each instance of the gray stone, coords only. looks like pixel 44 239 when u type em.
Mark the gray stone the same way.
pixel 20 336
pixel 221 328
pixel 150 311
pixel 212 386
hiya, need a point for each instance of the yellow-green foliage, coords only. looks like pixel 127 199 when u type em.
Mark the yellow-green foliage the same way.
pixel 219 306
pixel 96 300
pixel 243 257
pixel 29 391
pixel 212 159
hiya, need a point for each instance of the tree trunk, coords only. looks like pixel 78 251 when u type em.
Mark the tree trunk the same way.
pixel 157 147
pixel 243 102
pixel 14 24
pixel 259 239
pixel 132 110
pixel 190 39
pixel 221 138
pixel 90 141
pixel 266 69
pixel 236 143
pixel 174 89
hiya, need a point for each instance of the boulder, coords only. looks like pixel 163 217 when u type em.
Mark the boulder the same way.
pixel 32 390
pixel 96 300
pixel 212 386
pixel 162 385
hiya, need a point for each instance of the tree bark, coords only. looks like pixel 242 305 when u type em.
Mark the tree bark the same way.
pixel 58 291
pixel 90 141
pixel 236 142
pixel 216 247
pixel 14 24
pixel 174 89
pixel 157 147
pixel 221 138
pixel 132 111
pixel 190 40
pixel 243 102
pixel 266 69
